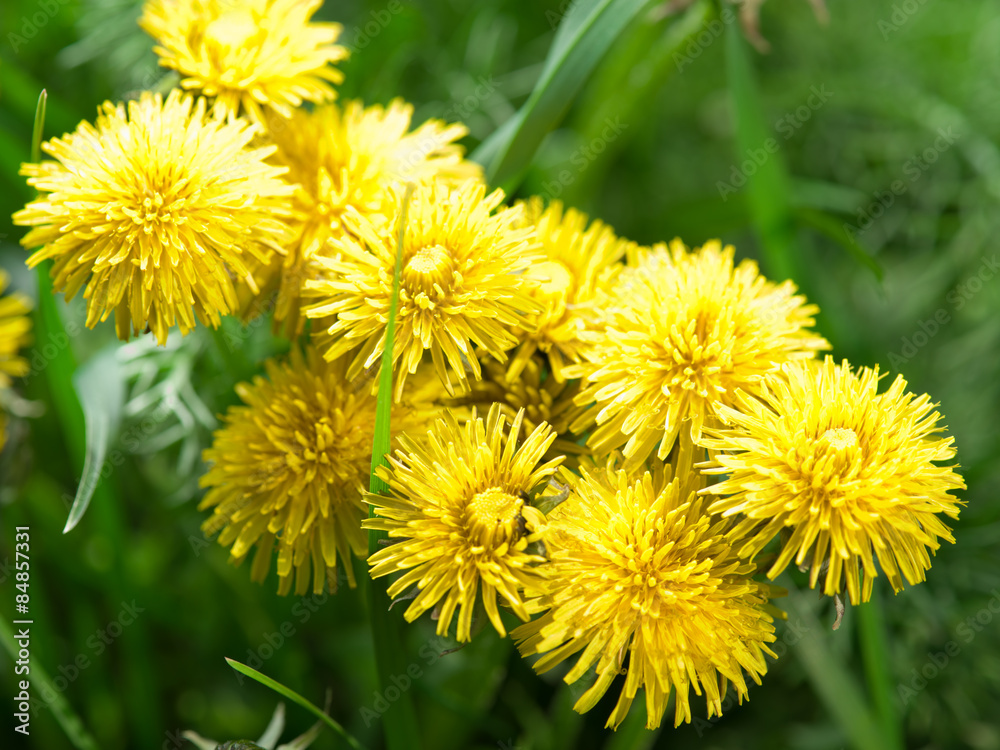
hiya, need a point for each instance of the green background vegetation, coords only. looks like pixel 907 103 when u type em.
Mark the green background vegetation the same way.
pixel 855 109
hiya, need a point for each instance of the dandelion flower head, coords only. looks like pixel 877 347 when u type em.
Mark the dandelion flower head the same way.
pixel 462 284
pixel 290 466
pixel 644 583
pixel 254 54
pixel 15 333
pixel 458 520
pixel 580 262
pixel 850 474
pixel 684 330
pixel 152 210
pixel 350 155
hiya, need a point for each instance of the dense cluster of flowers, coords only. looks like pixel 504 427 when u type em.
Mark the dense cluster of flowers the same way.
pixel 563 399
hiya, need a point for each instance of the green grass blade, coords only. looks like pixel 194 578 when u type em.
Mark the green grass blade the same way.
pixel 833 684
pixel 828 225
pixel 100 387
pixel 874 653
pixel 768 190
pixel 41 685
pixel 383 407
pixel 400 722
pixel 59 373
pixel 587 31
pixel 280 689
pixel 622 88
pixel 39 127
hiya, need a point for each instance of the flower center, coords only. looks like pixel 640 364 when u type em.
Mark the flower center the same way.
pixel 697 357
pixel 494 518
pixel 232 29
pixel 554 279
pixel 841 438
pixel 429 270
pixel 149 210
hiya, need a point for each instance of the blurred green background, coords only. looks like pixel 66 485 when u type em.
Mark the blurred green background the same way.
pixel 870 141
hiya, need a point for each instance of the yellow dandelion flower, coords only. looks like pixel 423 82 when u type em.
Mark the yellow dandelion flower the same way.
pixel 580 262
pixel 543 399
pixel 643 581
pixel 457 514
pixel 351 156
pixel 255 53
pixel 15 330
pixel 462 283
pixel 290 467
pixel 150 210
pixel 848 473
pixel 684 330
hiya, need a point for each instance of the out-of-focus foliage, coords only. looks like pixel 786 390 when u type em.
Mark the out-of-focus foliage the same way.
pixel 888 121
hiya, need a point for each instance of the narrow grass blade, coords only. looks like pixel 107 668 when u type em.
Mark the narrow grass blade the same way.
pixel 60 369
pixel 41 685
pixel 400 722
pixel 828 225
pixel 39 127
pixel 874 653
pixel 383 406
pixel 833 684
pixel 280 689
pixel 622 88
pixel 100 387
pixel 587 31
pixel 768 189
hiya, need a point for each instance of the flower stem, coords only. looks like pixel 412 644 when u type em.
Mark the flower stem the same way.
pixel 871 631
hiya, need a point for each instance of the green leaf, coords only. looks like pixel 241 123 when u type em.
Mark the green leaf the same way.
pixel 100 387
pixel 831 681
pixel 587 31
pixel 274 728
pixel 280 689
pixel 768 190
pixel 836 231
pixel 39 127
pixel 400 722
pixel 383 406
pixel 624 85
pixel 875 654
